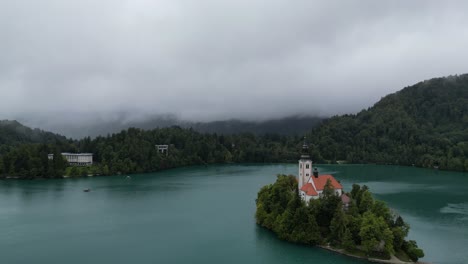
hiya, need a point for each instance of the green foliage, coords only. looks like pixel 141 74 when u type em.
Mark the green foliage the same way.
pixel 74 172
pixel 355 191
pixel 375 230
pixel 348 242
pixel 134 151
pixel 366 202
pixel 338 227
pixel 12 133
pixel 280 208
pixel 30 161
pixel 375 234
pixel 411 248
pixel 424 125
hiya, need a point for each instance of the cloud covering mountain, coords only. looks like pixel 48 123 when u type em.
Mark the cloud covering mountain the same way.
pixel 72 61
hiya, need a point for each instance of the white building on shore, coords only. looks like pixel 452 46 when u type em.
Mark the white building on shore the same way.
pixel 77 159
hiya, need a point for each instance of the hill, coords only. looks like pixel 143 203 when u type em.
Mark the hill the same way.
pixel 14 133
pixel 424 125
pixel 293 125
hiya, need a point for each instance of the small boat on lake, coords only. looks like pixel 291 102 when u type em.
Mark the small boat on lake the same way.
pixel 86 190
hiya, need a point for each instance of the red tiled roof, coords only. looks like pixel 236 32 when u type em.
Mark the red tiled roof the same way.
pixel 322 180
pixel 309 189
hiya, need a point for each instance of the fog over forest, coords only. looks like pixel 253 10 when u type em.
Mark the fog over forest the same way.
pixel 84 62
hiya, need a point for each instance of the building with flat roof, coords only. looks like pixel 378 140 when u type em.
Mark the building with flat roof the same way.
pixel 76 159
pixel 163 149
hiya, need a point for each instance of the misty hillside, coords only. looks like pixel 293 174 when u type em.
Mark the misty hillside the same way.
pixel 295 125
pixel 14 133
pixel 287 126
pixel 425 124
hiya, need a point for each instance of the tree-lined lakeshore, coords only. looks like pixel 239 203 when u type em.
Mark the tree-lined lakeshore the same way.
pixel 365 228
pixel 425 125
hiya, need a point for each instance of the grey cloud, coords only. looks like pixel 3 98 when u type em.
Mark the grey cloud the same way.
pixel 206 60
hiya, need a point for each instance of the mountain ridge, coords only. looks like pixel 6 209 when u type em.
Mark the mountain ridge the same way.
pixel 425 124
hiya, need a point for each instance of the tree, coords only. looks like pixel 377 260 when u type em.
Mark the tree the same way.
pixel 411 248
pixel 400 230
pixel 380 209
pixel 374 231
pixel 355 191
pixel 312 231
pixel 84 171
pixel 74 172
pixel 366 203
pixel 280 209
pixel 338 226
pixel 348 242
pixel 59 164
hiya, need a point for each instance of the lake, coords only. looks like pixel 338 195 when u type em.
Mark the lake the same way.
pixel 206 215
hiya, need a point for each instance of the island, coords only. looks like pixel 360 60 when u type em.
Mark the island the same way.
pixel 364 227
pixel 314 210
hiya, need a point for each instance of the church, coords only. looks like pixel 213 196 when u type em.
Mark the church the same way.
pixel 310 183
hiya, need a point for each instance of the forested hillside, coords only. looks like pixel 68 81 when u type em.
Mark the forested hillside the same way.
pixel 134 151
pixel 424 125
pixel 292 125
pixel 12 133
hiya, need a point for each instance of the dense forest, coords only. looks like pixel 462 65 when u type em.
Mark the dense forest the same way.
pixel 367 227
pixel 293 125
pixel 12 133
pixel 133 151
pixel 424 125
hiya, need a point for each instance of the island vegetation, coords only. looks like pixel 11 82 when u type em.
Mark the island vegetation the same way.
pixel 364 228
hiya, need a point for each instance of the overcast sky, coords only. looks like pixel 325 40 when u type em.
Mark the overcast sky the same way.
pixel 215 59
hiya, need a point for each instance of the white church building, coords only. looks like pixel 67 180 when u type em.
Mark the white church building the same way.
pixel 310 183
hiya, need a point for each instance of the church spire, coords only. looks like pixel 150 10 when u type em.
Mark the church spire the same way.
pixel 305 150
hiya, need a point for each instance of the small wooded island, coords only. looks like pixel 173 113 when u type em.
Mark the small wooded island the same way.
pixel 350 223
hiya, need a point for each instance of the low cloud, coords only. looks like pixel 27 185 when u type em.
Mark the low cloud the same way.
pixel 209 60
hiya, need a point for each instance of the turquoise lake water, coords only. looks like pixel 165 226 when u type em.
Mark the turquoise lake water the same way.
pixel 206 215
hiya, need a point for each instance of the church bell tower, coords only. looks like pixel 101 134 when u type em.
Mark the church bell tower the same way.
pixel 305 166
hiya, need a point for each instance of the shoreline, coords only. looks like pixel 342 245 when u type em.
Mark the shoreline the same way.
pixel 7 177
pixel 392 260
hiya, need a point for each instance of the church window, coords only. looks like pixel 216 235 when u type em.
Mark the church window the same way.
pixel 307 166
pixel 307 174
pixel 300 166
